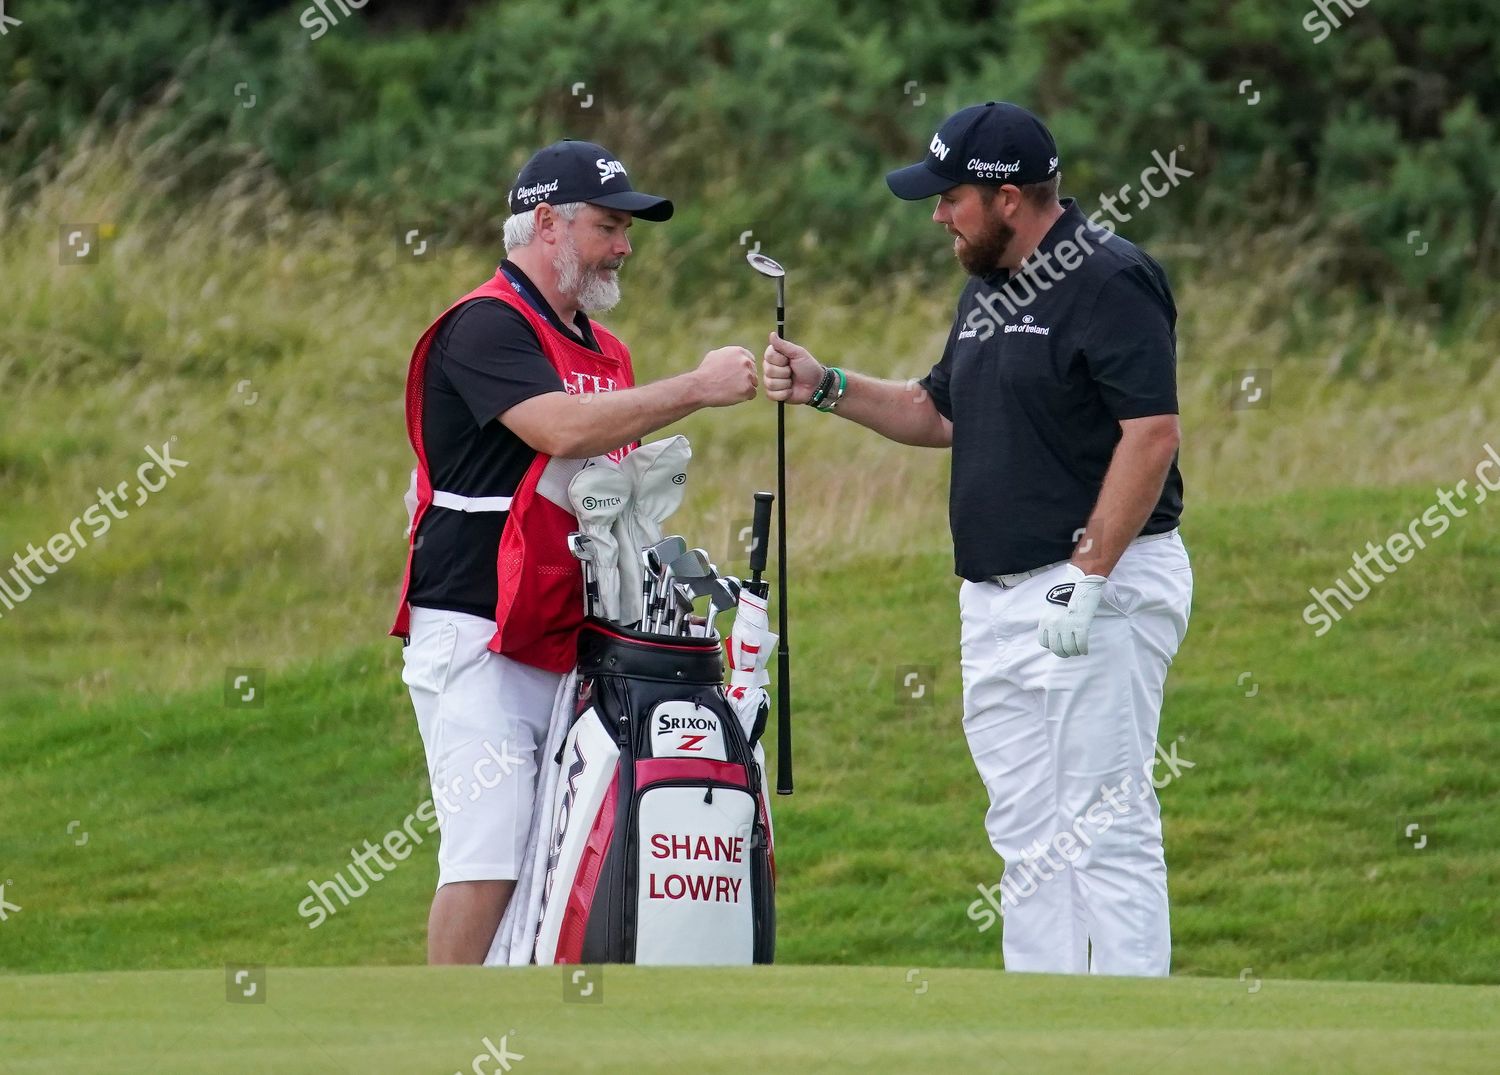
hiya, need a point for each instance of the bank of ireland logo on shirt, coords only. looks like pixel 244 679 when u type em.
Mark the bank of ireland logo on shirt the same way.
pixel 1029 326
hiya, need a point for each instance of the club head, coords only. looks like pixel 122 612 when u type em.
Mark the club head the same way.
pixel 666 550
pixel 581 546
pixel 682 599
pixel 765 266
pixel 692 564
pixel 659 558
pixel 706 586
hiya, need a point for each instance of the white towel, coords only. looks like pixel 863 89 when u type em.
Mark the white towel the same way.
pixel 515 940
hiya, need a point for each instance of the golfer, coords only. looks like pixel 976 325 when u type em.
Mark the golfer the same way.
pixel 507 387
pixel 1057 393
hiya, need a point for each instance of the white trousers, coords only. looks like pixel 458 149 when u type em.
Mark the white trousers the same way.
pixel 1066 750
pixel 482 718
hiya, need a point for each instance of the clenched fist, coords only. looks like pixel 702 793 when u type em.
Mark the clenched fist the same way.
pixel 792 374
pixel 726 376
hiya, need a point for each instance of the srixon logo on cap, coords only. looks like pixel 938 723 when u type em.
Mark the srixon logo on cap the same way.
pixel 937 148
pixel 608 168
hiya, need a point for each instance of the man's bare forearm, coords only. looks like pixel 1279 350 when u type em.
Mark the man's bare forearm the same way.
pixel 604 421
pixel 578 426
pixel 899 410
pixel 1132 486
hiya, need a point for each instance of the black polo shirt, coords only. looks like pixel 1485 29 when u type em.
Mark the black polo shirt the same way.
pixel 1039 369
pixel 484 360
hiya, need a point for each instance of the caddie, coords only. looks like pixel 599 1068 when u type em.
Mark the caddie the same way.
pixel 1056 392
pixel 508 391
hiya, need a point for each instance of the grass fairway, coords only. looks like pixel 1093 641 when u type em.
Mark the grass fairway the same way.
pixel 816 1019
pixel 176 831
pixel 1335 821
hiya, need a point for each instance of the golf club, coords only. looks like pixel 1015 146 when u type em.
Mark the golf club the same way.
pixel 647 579
pixel 760 537
pixel 709 585
pixel 690 567
pixel 726 596
pixel 582 548
pixel 683 595
pixel 658 557
pixel 760 531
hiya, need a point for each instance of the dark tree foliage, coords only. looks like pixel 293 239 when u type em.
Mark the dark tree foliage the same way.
pixel 1366 128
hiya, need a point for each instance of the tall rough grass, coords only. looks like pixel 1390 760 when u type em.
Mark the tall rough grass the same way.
pixel 273 346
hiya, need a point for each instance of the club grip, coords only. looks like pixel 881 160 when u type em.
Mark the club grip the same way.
pixel 760 532
pixel 784 725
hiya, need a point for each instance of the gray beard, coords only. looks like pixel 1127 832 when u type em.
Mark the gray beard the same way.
pixel 594 290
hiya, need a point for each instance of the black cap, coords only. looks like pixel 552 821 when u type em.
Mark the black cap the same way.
pixel 570 171
pixel 994 143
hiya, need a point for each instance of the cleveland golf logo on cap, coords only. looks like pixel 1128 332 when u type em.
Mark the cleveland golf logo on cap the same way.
pixel 537 192
pixel 993 169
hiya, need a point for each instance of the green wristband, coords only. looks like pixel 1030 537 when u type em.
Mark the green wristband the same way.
pixel 832 401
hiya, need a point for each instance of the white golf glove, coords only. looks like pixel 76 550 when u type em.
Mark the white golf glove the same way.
pixel 1065 631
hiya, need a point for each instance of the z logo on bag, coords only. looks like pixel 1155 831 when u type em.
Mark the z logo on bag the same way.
pixel 677 730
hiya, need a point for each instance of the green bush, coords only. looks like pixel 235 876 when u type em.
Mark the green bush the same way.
pixel 781 117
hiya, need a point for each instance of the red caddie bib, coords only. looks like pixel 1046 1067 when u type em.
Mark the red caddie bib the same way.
pixel 539 609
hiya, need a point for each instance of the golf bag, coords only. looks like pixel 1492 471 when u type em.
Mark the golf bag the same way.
pixel 660 848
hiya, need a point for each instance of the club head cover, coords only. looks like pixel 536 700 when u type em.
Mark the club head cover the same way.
pixel 658 480
pixel 600 493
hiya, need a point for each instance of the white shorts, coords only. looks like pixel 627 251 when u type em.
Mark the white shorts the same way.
pixel 482 718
